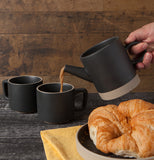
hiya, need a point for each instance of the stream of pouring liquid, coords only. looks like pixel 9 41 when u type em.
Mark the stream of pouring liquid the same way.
pixel 61 78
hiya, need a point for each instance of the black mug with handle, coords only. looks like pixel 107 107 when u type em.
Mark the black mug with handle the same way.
pixel 59 107
pixel 21 92
pixel 109 67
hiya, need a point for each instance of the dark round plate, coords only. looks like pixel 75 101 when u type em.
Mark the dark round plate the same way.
pixel 88 151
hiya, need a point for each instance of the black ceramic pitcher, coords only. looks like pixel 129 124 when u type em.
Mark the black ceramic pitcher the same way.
pixel 109 67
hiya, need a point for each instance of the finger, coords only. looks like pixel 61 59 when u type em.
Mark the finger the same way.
pixel 131 37
pixel 137 35
pixel 147 60
pixel 140 65
pixel 139 48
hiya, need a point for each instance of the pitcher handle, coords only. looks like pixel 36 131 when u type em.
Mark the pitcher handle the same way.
pixel 140 56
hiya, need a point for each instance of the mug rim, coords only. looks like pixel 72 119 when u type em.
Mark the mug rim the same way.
pixel 37 88
pixel 40 80
pixel 83 56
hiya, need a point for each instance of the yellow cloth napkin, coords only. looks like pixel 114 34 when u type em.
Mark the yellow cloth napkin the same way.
pixel 60 144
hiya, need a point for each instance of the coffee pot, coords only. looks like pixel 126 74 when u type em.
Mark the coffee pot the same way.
pixel 109 67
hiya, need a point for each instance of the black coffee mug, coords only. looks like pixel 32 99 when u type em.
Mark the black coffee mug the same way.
pixel 21 92
pixel 109 67
pixel 58 107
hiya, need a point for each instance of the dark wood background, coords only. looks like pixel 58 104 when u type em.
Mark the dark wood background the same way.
pixel 38 37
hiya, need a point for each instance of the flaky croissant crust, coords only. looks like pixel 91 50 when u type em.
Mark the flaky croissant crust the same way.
pixel 126 130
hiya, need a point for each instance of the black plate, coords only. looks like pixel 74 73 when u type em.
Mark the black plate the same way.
pixel 84 139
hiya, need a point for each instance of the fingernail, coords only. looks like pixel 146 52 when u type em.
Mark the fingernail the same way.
pixel 140 66
pixel 145 45
pixel 127 40
pixel 148 57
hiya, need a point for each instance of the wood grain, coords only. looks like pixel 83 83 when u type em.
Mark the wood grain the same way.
pixel 72 22
pixel 129 6
pixel 73 5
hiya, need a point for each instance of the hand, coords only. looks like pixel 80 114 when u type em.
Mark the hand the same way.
pixel 145 35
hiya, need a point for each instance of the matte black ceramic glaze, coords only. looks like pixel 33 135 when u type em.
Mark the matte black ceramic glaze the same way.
pixel 106 64
pixel 55 106
pixel 21 92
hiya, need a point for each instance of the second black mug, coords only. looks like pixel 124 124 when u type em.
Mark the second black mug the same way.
pixel 59 107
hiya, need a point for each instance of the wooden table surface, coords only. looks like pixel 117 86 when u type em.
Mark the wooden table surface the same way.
pixel 20 133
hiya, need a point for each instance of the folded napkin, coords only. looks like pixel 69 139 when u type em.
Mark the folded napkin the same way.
pixel 60 144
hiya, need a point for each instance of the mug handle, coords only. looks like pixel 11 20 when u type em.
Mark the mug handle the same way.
pixel 139 58
pixel 5 87
pixel 85 97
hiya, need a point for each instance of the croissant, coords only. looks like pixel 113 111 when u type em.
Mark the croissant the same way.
pixel 126 130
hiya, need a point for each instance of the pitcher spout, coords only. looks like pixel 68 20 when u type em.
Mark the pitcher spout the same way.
pixel 77 71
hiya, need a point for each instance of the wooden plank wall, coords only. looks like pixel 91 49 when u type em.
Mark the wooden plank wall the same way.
pixel 38 37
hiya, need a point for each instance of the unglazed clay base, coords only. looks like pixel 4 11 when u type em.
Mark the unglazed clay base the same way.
pixel 88 151
pixel 121 90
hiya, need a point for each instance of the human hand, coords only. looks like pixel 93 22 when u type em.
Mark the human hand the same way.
pixel 145 35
